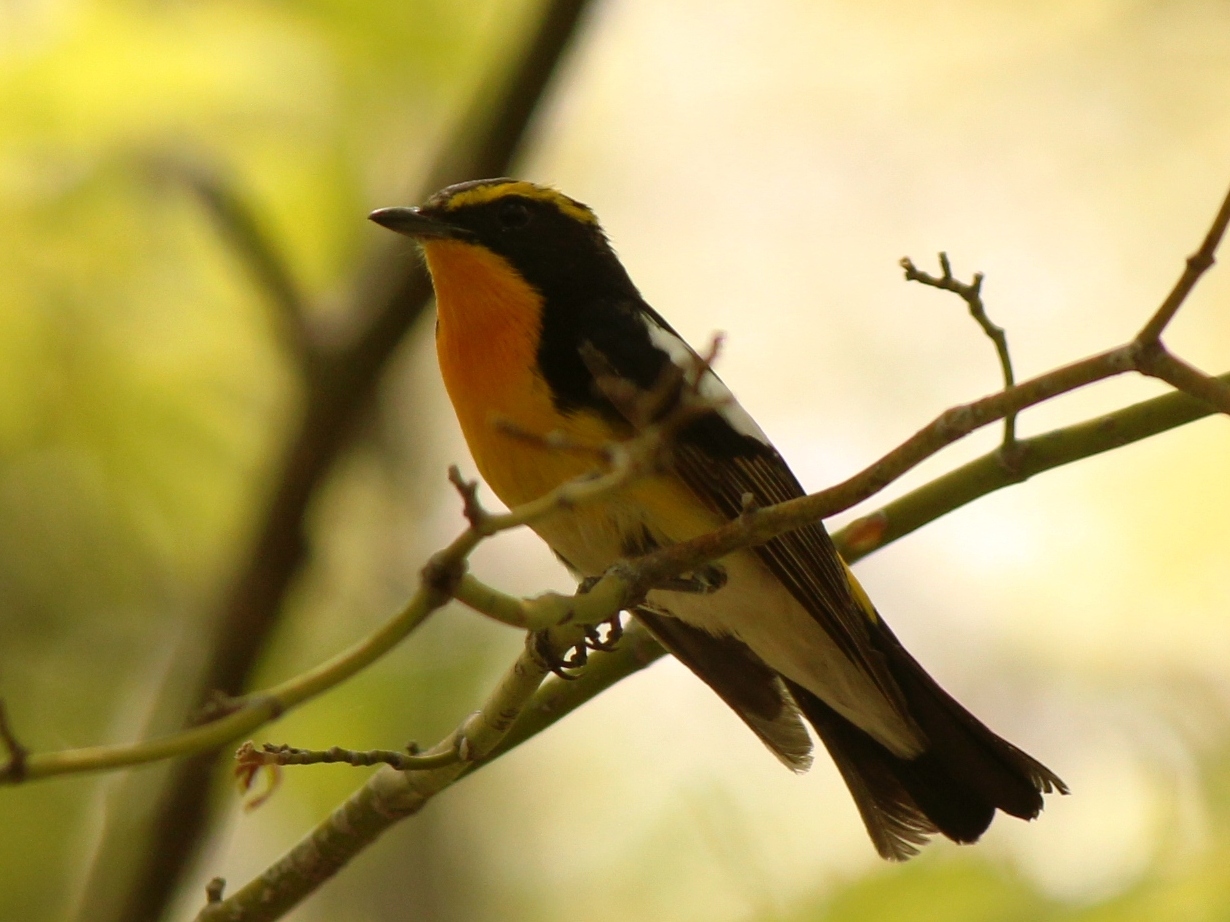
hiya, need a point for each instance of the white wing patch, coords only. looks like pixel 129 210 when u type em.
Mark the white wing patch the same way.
pixel 711 386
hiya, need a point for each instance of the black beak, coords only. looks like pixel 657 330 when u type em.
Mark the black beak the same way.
pixel 414 223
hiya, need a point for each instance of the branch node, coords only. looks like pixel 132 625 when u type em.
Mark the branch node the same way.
pixel 945 266
pixel 864 535
pixel 217 704
pixel 250 762
pixel 971 294
pixel 442 574
pixel 463 747
pixel 214 890
pixel 1011 457
pixel 473 510
pixel 748 503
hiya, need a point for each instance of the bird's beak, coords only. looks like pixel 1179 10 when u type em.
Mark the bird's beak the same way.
pixel 414 223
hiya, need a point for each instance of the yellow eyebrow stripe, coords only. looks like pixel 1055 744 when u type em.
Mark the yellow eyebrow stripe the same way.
pixel 480 195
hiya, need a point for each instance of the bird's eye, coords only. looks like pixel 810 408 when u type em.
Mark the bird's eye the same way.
pixel 513 214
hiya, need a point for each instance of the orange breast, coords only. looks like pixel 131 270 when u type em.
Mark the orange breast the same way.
pixel 487 342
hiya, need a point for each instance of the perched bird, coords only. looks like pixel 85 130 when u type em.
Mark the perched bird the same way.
pixel 530 296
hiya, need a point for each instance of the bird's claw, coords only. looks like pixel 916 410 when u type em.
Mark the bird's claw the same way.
pixel 595 640
pixel 561 654
pixel 566 647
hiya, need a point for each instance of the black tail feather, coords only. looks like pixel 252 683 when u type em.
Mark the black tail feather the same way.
pixel 954 787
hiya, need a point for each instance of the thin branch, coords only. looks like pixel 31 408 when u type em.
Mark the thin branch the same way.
pixel 1197 265
pixel 1158 362
pixel 1037 454
pixel 971 294
pixel 253 711
pixel 368 812
pixel 387 797
pixel 385 801
pixel 471 508
pixel 890 523
pixel 441 580
pixel 250 759
pixel 497 605
pixel 1150 355
pixel 445 574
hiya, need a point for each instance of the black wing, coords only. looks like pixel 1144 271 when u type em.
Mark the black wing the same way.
pixel 754 691
pixel 965 772
pixel 724 456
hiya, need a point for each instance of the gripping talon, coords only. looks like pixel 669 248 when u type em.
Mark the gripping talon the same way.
pixel 573 658
pixel 614 631
pixel 576 657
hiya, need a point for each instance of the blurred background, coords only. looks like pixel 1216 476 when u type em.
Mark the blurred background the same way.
pixel 761 168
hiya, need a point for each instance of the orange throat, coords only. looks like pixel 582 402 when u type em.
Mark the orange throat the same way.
pixel 487 335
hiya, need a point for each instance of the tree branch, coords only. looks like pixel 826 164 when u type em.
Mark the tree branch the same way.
pixel 1197 265
pixel 439 582
pixel 971 294
pixel 390 796
pixel 1158 362
pixel 387 797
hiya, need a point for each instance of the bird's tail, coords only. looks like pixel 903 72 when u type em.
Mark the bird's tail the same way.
pixel 953 787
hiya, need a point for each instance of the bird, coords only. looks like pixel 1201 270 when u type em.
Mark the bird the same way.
pixel 533 310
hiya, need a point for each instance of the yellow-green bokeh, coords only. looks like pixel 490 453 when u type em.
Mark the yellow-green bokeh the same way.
pixel 760 168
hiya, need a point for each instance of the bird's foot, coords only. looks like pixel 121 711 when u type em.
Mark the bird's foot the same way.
pixel 562 648
pixel 596 640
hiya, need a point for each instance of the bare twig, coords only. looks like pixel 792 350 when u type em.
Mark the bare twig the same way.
pixel 1197 265
pixel 370 810
pixel 442 578
pixel 556 699
pixel 971 294
pixel 1158 362
pixel 249 758
pixel 1038 454
pixel 888 524
pixel 386 798
pixel 473 510
pixel 1151 356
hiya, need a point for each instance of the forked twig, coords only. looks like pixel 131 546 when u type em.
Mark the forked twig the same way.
pixel 971 294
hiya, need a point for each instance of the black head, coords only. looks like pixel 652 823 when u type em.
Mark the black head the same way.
pixel 555 242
